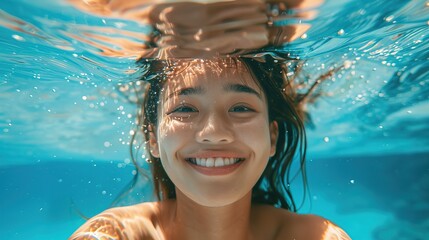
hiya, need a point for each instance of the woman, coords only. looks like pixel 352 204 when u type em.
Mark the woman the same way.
pixel 222 134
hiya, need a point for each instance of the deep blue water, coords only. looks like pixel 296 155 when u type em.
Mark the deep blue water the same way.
pixel 48 198
pixel 64 126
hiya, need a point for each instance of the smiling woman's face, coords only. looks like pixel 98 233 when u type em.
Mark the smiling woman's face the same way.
pixel 213 134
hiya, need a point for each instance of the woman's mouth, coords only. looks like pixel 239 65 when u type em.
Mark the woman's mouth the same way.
pixel 214 162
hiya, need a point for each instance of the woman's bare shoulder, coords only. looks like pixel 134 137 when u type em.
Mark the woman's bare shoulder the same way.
pixel 309 226
pixel 290 225
pixel 130 222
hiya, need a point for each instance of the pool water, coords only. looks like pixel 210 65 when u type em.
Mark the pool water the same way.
pixel 65 127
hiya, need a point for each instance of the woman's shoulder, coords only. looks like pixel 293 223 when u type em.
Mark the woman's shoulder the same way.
pixel 302 226
pixel 311 226
pixel 129 222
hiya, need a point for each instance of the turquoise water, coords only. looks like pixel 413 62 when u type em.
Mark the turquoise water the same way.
pixel 64 126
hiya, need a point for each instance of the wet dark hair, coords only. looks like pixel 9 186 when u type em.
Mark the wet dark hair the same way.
pixel 284 107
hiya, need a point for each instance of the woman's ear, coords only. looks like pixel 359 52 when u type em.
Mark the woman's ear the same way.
pixel 153 142
pixel 274 133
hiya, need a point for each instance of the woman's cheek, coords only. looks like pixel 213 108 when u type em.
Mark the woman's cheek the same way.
pixel 171 129
pixel 254 132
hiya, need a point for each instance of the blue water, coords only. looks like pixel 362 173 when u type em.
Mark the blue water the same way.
pixel 64 126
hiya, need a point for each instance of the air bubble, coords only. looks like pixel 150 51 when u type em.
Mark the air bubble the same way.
pixel 347 64
pixel 18 38
pixel 389 18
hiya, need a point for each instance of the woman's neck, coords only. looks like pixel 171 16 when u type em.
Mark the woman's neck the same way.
pixel 185 219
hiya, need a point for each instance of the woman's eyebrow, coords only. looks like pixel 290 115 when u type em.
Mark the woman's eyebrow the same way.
pixel 235 87
pixel 241 88
pixel 187 91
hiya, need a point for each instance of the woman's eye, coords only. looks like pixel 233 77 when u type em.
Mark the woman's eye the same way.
pixel 184 109
pixel 241 109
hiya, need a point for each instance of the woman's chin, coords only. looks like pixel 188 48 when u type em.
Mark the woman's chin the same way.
pixel 216 200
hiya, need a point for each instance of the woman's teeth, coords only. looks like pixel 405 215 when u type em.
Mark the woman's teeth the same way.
pixel 214 162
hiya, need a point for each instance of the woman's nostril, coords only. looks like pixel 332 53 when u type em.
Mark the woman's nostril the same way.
pixel 214 135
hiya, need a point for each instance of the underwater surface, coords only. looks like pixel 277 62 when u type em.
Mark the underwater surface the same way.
pixel 65 123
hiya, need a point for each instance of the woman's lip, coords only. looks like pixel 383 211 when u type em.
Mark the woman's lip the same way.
pixel 216 171
pixel 216 155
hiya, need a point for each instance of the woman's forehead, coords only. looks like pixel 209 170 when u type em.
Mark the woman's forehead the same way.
pixel 204 72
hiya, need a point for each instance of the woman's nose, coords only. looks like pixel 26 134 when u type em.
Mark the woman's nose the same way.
pixel 215 130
